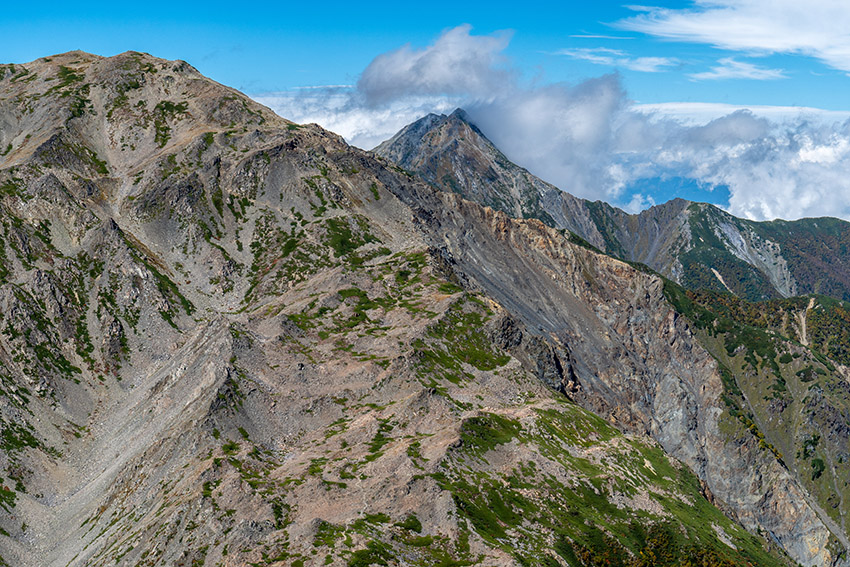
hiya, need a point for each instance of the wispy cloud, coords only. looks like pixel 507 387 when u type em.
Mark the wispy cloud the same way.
pixel 346 113
pixel 730 68
pixel 638 203
pixel 322 87
pixel 599 36
pixel 696 113
pixel 816 28
pixel 618 58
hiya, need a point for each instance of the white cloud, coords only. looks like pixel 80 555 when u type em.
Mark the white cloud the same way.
pixel 789 175
pixel 456 63
pixel 322 87
pixel 772 171
pixel 729 68
pixel 560 132
pixel 832 152
pixel 638 203
pixel 401 86
pixel 617 58
pixel 589 139
pixel 740 127
pixel 344 112
pixel 816 28
pixel 404 84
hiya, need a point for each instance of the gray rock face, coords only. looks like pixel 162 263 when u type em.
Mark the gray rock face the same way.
pixel 450 152
pixel 637 361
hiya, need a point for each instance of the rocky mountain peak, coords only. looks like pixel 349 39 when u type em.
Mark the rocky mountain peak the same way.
pixel 120 110
pixel 450 152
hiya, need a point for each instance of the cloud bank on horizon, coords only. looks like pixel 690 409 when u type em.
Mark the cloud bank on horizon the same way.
pixel 589 139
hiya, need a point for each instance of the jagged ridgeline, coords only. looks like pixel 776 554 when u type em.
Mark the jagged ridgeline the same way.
pixel 228 339
pixel 695 244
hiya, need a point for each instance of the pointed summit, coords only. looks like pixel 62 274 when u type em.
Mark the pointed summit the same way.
pixel 450 152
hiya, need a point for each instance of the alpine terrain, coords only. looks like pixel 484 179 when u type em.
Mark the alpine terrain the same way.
pixel 229 339
pixel 695 244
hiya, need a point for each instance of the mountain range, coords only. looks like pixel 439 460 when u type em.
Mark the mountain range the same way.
pixel 230 339
pixel 696 244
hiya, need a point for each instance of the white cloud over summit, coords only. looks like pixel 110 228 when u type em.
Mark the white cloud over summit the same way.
pixel 343 111
pixel 589 139
pixel 401 86
pixel 456 64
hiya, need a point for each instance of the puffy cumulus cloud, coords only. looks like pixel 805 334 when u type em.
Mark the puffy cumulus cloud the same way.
pixel 817 28
pixel 456 63
pixel 589 139
pixel 696 113
pixel 739 127
pixel 638 203
pixel 796 169
pixel 567 134
pixel 790 173
pixel 400 86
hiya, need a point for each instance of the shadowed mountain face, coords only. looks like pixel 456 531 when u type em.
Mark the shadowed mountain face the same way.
pixel 695 244
pixel 228 339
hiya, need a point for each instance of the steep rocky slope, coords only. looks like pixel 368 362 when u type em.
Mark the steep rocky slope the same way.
pixel 227 339
pixel 792 380
pixel 695 244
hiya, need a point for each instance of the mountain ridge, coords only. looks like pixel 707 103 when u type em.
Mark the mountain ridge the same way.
pixel 228 338
pixel 696 244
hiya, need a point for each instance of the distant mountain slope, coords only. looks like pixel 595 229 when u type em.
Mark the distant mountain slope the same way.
pixel 228 339
pixel 695 244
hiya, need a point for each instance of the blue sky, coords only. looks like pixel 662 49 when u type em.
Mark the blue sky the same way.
pixel 272 46
pixel 629 104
